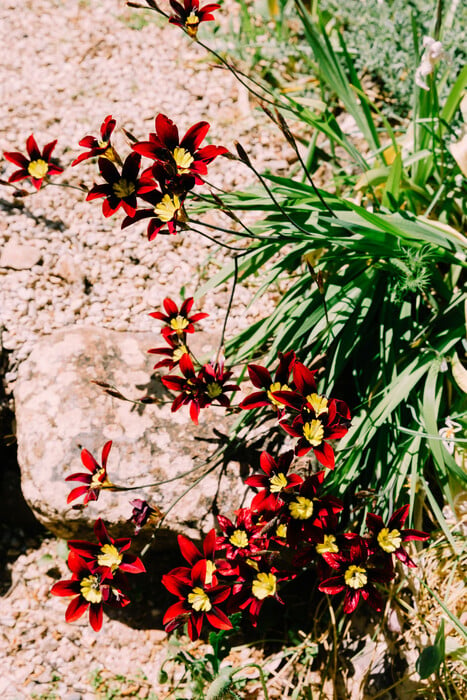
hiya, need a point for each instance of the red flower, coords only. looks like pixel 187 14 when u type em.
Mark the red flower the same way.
pixel 183 157
pixel 95 481
pixel 174 352
pixel 37 167
pixel 120 189
pixel 306 511
pixel 166 211
pixel 242 539
pixel 355 576
pixel 274 480
pixel 320 418
pixel 178 321
pixel 388 538
pixel 99 146
pixel 92 587
pixel 199 390
pixel 197 600
pixel 261 379
pixel 189 15
pixel 108 552
pixel 256 582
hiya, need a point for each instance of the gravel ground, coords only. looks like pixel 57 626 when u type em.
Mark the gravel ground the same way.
pixel 65 65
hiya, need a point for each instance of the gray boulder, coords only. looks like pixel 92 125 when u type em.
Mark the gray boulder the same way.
pixel 59 410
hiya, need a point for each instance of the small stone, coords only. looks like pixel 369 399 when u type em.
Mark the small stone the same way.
pixel 19 257
pixel 68 269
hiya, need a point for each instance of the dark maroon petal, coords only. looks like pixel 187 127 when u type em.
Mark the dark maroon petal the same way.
pixel 186 365
pixel 195 623
pixel 373 598
pixel 65 588
pixel 402 555
pixel 17 158
pixel 398 518
pixel 255 400
pixel 167 132
pixel 131 167
pixel 295 433
pixel 76 608
pixel 108 170
pixel 304 379
pixel 33 149
pixel 194 136
pixel 289 398
pixel 47 152
pixel 101 532
pixel 351 600
pixel 374 522
pixel 259 376
pixel 18 175
pixel 95 616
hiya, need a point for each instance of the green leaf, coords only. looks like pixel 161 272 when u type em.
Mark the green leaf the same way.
pixel 429 661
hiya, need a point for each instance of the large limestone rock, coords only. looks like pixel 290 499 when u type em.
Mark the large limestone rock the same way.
pixel 59 410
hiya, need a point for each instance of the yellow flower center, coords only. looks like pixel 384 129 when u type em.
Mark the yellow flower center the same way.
pixel 313 432
pixel 210 570
pixel 123 188
pixel 239 539
pixel 318 403
pixel 191 24
pixel 179 352
pixel 277 482
pixel 179 323
pixel 183 159
pixel 214 389
pixel 328 545
pixel 199 600
pixel 167 208
pixel 277 386
pixel 281 531
pixel 91 589
pixel 389 540
pixel 356 576
pixel 264 585
pixel 110 557
pixel 301 509
pixel 96 481
pixel 38 168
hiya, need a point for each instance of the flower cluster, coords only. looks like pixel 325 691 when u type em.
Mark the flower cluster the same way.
pixel 98 575
pixel 314 418
pixel 177 165
pixel 290 526
pixel 197 387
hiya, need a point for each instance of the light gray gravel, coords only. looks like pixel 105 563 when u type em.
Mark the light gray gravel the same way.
pixel 65 65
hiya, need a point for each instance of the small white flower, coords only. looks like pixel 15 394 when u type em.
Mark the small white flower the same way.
pixel 432 54
pixel 448 433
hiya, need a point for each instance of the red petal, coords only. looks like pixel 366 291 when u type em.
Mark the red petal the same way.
pixel 166 131
pixel 189 551
pixel 194 136
pixel 65 588
pixel 76 493
pixel 76 608
pixel 88 461
pixel 218 619
pixel 95 616
pixel 325 455
pixel 259 376
pixel 351 600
